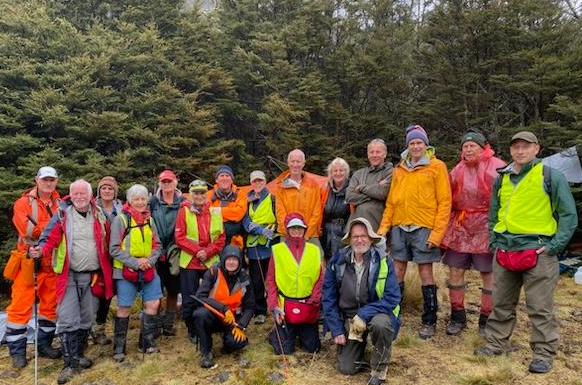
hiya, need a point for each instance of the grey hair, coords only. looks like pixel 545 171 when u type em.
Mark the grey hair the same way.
pixel 136 190
pixel 297 151
pixel 380 142
pixel 338 162
pixel 81 182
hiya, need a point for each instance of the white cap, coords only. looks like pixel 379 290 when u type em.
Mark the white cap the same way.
pixel 46 172
pixel 258 174
pixel 296 222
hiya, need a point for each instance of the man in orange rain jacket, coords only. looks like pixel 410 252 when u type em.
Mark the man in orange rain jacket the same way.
pixel 32 212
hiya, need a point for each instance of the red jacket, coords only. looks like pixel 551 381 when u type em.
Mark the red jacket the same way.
pixel 53 234
pixel 204 243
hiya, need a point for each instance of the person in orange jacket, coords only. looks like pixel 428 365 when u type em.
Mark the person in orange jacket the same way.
pixel 233 203
pixel 32 212
pixel 417 212
pixel 298 192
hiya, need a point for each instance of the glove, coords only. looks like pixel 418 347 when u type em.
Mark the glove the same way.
pixel 268 233
pixel 228 318
pixel 279 315
pixel 239 334
pixel 357 329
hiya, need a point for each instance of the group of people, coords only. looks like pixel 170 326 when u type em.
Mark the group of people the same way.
pixel 304 253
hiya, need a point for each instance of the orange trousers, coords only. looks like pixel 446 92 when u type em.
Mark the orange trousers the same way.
pixel 20 308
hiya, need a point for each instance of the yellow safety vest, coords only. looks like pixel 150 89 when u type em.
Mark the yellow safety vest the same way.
pixel 525 208
pixel 216 228
pixel 138 240
pixel 263 216
pixel 296 280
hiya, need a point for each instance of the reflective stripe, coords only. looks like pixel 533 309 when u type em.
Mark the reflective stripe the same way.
pixel 15 326
pixel 15 337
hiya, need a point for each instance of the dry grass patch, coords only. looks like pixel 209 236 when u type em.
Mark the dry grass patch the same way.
pixel 503 375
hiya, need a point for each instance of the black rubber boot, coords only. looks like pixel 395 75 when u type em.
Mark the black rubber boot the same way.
pixel 69 346
pixel 168 320
pixel 429 315
pixel 46 334
pixel 83 337
pixel 120 338
pixel 147 340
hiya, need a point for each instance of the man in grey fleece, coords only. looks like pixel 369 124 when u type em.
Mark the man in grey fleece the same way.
pixel 369 186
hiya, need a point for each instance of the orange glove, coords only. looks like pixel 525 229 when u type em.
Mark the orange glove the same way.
pixel 228 318
pixel 239 334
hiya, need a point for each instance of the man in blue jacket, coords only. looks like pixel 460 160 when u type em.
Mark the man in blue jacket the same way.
pixel 361 296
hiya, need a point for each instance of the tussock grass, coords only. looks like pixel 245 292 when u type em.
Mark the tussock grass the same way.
pixel 256 377
pixel 407 340
pixel 498 376
pixel 412 287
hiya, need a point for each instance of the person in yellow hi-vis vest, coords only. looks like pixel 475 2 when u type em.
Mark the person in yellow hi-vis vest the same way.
pixel 294 284
pixel 260 222
pixel 199 233
pixel 135 248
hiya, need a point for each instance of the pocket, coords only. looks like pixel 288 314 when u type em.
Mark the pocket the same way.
pixel 12 267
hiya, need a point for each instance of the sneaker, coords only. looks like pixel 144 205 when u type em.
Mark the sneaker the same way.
pixel 540 366
pixel 486 351
pixel 49 352
pixel 455 328
pixel 426 332
pixel 18 361
pixel 206 361
pixel 260 319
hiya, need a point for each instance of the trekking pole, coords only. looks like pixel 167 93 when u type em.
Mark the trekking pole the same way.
pixel 37 265
pixel 140 285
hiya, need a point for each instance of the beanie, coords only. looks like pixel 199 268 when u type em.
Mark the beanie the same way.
pixel 108 181
pixel 474 136
pixel 224 169
pixel 416 132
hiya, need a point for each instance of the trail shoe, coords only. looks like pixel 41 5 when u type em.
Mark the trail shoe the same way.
pixel 49 352
pixel 426 331
pixel 455 328
pixel 486 351
pixel 540 366
pixel 207 361
pixel 98 335
pixel 66 374
pixel 18 361
pixel 260 319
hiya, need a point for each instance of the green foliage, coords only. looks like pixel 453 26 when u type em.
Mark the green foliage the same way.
pixel 127 88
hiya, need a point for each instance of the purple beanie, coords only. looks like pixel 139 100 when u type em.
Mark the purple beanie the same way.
pixel 416 131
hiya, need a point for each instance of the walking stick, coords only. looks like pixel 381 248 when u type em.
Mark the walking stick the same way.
pixel 140 285
pixel 37 265
pixel 217 313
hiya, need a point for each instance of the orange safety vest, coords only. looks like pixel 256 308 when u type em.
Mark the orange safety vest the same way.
pixel 222 294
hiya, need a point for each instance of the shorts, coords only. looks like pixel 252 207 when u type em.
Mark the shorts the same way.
pixel 482 262
pixel 168 281
pixel 126 291
pixel 411 246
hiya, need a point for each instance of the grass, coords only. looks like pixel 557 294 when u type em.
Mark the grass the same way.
pixel 443 360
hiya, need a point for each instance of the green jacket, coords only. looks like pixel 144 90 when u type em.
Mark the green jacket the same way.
pixel 563 206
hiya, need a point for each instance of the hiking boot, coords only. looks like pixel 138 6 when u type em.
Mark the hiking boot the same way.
pixel 540 366
pixel 67 374
pixel 98 335
pixel 206 361
pixel 168 320
pixel 486 352
pixel 455 328
pixel 18 361
pixel 49 352
pixel 374 381
pixel 426 331
pixel 260 319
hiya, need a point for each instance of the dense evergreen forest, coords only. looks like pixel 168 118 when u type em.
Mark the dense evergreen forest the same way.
pixel 128 87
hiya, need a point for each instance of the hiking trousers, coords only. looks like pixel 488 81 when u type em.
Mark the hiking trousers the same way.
pixel 539 284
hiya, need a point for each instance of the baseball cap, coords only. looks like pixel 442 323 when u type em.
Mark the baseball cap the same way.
pixel 525 135
pixel 257 174
pixel 197 185
pixel 46 172
pixel 167 174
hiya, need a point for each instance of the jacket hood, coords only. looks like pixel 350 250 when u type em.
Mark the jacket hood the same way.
pixel 230 251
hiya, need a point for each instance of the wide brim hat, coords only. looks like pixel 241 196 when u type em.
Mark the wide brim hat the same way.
pixel 361 221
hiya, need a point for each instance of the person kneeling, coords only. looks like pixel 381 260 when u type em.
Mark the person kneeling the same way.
pixel 228 298
pixel 361 295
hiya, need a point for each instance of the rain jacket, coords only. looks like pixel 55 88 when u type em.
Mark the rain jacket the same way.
pixel 164 215
pixel 60 226
pixel 419 195
pixel 305 200
pixel 471 185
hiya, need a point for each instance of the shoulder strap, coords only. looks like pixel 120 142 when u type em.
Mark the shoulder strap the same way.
pixel 547 171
